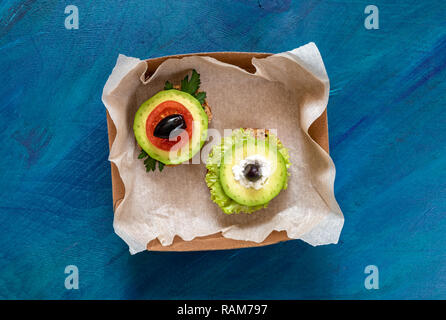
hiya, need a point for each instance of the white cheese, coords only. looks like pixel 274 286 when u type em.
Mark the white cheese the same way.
pixel 264 167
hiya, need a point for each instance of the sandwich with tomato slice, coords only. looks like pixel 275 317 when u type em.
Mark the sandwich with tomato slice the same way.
pixel 171 127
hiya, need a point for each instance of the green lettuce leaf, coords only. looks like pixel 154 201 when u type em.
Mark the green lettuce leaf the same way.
pixel 218 195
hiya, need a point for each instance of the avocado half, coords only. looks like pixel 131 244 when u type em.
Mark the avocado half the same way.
pixel 154 115
pixel 226 191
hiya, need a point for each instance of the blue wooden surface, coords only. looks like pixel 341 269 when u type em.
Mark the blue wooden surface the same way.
pixel 387 125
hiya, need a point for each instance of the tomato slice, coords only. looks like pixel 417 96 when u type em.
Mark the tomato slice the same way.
pixel 161 111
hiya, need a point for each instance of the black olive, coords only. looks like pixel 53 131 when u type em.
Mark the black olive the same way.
pixel 170 127
pixel 252 172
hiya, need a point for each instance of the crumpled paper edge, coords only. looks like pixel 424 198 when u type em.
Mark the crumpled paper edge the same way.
pixel 309 58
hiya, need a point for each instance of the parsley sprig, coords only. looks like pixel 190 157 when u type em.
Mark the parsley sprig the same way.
pixel 190 85
pixel 168 85
pixel 150 163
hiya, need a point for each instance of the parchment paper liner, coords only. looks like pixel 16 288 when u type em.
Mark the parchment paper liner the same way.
pixel 294 85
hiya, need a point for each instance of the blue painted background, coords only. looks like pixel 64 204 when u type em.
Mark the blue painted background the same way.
pixel 387 121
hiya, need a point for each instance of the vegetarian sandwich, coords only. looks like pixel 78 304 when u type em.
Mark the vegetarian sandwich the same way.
pixel 171 127
pixel 247 170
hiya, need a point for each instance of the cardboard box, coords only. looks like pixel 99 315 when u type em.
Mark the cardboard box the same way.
pixel 318 131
